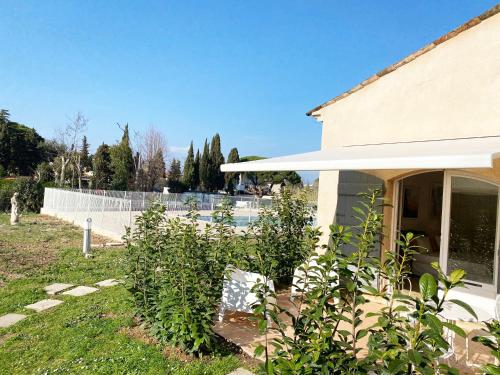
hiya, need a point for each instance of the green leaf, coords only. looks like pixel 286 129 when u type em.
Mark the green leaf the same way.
pixel 415 356
pixel 459 331
pixel 456 276
pixel 259 350
pixel 465 306
pixel 428 286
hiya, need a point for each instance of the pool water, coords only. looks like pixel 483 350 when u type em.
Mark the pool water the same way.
pixel 240 221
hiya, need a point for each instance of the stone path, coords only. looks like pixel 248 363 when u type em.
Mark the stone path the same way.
pixel 44 304
pixel 241 371
pixel 80 291
pixel 108 282
pixel 54 289
pixel 8 320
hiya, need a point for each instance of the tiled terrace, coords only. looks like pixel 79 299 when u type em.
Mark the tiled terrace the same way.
pixel 241 330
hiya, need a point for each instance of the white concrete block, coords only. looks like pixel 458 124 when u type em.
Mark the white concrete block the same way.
pixel 80 291
pixel 8 320
pixel 57 288
pixel 241 371
pixel 44 304
pixel 108 282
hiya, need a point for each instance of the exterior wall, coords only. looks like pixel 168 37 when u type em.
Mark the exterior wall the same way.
pixel 451 91
pixel 327 201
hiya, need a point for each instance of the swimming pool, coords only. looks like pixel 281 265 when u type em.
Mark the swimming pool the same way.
pixel 240 221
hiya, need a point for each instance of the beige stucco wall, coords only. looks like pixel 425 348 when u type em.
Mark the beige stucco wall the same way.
pixel 451 91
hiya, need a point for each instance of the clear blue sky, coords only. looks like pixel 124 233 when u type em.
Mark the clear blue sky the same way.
pixel 246 69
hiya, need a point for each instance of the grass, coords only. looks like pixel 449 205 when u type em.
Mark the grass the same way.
pixel 93 334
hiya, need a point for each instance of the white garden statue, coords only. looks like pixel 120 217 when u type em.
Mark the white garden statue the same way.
pixel 14 211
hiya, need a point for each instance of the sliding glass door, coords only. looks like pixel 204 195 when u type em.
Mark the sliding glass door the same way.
pixel 470 231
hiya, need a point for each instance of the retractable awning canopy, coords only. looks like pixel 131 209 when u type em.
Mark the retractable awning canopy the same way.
pixel 435 154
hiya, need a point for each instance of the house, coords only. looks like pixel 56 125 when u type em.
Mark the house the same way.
pixel 427 130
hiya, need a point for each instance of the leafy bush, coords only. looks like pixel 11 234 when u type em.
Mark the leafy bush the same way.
pixel 6 192
pixel 324 335
pixel 176 271
pixel 30 194
pixel 279 234
pixel 493 343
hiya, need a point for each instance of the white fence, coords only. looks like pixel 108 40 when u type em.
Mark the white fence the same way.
pixel 112 211
pixel 141 201
pixel 110 216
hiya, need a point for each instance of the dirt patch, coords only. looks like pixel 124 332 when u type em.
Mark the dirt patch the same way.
pixel 223 346
pixel 4 338
pixel 138 333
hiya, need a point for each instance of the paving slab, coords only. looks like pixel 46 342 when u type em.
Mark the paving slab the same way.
pixel 57 288
pixel 108 282
pixel 241 371
pixel 44 304
pixel 8 320
pixel 80 291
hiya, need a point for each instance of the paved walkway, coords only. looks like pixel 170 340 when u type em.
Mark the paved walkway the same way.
pixel 240 330
pixel 52 290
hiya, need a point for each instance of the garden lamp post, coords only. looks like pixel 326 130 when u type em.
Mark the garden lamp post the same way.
pixel 87 232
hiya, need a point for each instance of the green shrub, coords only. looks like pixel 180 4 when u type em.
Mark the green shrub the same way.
pixel 176 271
pixel 492 342
pixel 6 192
pixel 279 235
pixel 325 330
pixel 30 194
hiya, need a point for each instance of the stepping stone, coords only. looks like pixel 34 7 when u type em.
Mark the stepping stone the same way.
pixel 8 320
pixel 44 304
pixel 241 371
pixel 108 282
pixel 80 291
pixel 57 288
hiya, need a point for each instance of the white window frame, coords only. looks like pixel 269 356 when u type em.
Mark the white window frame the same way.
pixel 483 289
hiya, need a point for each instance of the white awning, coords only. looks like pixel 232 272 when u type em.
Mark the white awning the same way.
pixel 436 154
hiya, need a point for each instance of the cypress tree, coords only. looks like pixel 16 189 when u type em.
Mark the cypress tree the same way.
pixel 216 160
pixel 196 174
pixel 122 162
pixel 84 155
pixel 230 177
pixel 102 168
pixel 205 169
pixel 189 169
pixel 174 177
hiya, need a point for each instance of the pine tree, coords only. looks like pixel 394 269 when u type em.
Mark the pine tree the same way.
pixel 205 169
pixel 189 169
pixel 196 177
pixel 122 163
pixel 102 168
pixel 216 160
pixel 230 177
pixel 85 162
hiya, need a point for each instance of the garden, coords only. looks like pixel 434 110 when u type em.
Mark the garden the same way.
pixel 177 269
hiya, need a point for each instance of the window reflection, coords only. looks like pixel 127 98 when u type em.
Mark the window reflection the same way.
pixel 473 228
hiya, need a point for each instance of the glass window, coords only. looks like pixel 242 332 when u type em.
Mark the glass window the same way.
pixel 473 219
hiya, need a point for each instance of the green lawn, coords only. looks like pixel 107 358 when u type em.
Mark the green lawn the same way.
pixel 93 334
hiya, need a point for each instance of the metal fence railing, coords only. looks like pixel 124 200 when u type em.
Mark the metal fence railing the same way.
pixel 112 211
pixel 176 201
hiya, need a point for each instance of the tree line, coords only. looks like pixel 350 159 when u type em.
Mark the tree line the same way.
pixel 135 162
